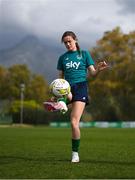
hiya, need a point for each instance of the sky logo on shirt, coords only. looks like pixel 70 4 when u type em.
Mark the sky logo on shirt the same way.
pixel 72 64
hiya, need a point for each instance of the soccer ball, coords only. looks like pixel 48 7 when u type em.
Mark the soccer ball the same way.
pixel 60 87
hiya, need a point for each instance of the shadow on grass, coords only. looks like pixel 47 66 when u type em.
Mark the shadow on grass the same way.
pixel 11 159
pixel 109 162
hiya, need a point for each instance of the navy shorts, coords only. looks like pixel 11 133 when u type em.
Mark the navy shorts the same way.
pixel 80 92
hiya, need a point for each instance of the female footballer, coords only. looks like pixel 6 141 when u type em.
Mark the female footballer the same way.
pixel 73 66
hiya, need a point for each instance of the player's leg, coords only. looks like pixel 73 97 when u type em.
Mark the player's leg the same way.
pixel 77 111
pixel 58 104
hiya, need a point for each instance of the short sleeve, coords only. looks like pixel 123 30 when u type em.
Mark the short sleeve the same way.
pixel 89 60
pixel 59 64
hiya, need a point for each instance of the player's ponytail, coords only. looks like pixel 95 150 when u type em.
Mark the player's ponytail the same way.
pixel 78 48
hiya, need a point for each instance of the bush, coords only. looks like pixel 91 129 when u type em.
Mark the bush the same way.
pixel 34 113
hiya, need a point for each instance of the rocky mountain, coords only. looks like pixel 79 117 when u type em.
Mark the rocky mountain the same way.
pixel 39 57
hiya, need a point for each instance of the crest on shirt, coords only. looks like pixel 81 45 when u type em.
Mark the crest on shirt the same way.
pixel 79 57
pixel 66 58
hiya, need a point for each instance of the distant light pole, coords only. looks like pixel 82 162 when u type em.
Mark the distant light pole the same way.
pixel 22 86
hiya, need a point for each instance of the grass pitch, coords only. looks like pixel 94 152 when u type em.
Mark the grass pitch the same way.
pixel 43 152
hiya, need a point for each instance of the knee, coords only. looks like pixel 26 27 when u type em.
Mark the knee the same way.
pixel 74 123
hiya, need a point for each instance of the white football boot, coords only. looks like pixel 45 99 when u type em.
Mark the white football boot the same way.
pixel 64 107
pixel 55 106
pixel 75 157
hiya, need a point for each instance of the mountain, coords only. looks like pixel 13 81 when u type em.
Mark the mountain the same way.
pixel 41 58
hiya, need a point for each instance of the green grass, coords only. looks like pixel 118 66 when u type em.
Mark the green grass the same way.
pixel 43 152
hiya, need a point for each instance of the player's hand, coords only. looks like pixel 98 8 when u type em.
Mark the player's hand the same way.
pixel 102 65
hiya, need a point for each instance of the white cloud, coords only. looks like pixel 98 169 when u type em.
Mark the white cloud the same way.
pixel 50 18
pixel 127 7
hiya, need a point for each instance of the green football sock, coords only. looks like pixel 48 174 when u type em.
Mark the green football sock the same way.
pixel 64 99
pixel 75 145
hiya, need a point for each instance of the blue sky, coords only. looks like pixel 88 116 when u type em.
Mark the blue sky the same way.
pixel 48 19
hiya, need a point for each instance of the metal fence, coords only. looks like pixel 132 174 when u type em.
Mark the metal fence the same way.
pixel 5 119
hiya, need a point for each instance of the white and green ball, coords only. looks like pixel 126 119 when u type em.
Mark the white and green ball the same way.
pixel 60 87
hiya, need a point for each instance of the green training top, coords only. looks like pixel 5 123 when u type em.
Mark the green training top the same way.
pixel 74 65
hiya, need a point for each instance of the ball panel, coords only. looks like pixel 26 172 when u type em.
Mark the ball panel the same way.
pixel 60 87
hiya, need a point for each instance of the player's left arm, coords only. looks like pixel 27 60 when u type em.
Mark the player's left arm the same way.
pixel 102 65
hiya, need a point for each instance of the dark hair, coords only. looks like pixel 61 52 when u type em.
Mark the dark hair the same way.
pixel 72 34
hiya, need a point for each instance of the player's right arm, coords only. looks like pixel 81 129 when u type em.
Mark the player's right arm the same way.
pixel 61 74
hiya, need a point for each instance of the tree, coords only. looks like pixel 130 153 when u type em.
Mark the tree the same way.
pixel 36 87
pixel 113 96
